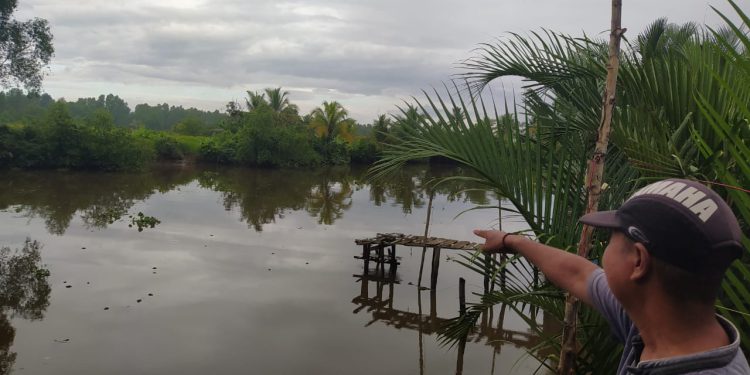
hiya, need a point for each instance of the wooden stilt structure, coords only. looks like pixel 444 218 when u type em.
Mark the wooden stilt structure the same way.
pixel 374 250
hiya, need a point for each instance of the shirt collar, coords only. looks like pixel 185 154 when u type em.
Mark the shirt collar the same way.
pixel 714 358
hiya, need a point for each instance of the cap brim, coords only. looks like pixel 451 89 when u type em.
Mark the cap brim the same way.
pixel 603 219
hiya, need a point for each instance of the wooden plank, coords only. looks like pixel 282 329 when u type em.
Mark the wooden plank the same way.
pixel 390 239
pixel 431 242
pixel 446 243
pixel 460 244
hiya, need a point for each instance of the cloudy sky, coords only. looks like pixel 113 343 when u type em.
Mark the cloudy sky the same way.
pixel 367 54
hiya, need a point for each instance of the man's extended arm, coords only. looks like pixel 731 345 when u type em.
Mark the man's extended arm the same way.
pixel 568 271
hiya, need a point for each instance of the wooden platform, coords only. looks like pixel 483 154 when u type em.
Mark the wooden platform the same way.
pixel 389 239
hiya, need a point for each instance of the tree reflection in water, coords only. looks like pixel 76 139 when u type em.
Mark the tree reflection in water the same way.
pixel 331 196
pixel 99 198
pixel 260 196
pixel 24 293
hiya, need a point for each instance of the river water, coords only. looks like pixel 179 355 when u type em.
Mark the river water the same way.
pixel 248 272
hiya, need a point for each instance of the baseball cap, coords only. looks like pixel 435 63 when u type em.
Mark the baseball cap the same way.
pixel 680 222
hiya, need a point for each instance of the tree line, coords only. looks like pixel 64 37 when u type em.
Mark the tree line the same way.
pixel 17 106
pixel 103 133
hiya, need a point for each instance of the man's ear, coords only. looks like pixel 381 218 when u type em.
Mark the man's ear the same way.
pixel 641 262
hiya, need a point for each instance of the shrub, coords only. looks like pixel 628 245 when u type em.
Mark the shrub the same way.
pixel 167 148
pixel 364 151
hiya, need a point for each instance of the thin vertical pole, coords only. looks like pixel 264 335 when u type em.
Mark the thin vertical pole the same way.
pixel 426 231
pixel 381 258
pixel 421 322
pixel 462 310
pixel 594 178
pixel 394 263
pixel 435 267
pixel 366 257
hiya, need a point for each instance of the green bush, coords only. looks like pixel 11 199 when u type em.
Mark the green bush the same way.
pixel 167 148
pixel 364 151
pixel 221 148
pixel 263 141
pixel 335 152
pixel 61 142
pixel 21 147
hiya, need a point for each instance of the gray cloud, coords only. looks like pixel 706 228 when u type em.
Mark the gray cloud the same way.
pixel 366 54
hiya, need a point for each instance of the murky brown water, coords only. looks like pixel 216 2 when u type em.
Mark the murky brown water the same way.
pixel 249 272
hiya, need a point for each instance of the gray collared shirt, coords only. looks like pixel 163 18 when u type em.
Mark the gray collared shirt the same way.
pixel 724 360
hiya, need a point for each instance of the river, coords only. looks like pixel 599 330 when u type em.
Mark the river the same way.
pixel 248 272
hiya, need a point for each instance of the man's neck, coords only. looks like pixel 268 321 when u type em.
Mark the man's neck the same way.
pixel 669 331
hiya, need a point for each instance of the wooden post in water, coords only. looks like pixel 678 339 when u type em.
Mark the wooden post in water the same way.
pixel 381 258
pixel 394 263
pixel 390 295
pixel 421 329
pixel 462 311
pixel 433 284
pixel 366 257
pixel 426 231
pixel 433 309
pixel 435 267
pixel 594 177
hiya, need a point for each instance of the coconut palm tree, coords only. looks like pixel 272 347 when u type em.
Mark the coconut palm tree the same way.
pixel 279 102
pixel 255 100
pixel 380 127
pixel 675 117
pixel 331 120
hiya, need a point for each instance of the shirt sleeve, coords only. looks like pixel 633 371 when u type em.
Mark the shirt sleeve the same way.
pixel 605 302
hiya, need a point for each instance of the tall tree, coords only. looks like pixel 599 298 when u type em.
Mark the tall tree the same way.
pixel 279 100
pixel 331 120
pixel 380 127
pixel 255 100
pixel 25 48
pixel 117 107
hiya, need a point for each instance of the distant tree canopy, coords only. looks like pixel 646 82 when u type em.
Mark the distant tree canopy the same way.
pixel 17 106
pixel 165 117
pixel 25 48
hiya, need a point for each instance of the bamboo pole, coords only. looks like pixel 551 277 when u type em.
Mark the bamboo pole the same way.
pixel 593 185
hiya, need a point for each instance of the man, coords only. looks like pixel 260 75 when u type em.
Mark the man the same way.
pixel 671 243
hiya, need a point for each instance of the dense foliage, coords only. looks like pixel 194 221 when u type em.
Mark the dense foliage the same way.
pixel 19 107
pixel 682 111
pixel 25 48
pixel 37 131
pixel 61 142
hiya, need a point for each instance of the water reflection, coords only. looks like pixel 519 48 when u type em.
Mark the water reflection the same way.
pixel 380 306
pixel 376 297
pixel 24 293
pixel 98 198
pixel 331 196
pixel 260 196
